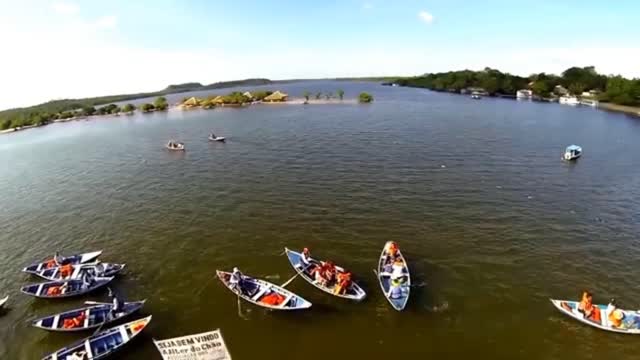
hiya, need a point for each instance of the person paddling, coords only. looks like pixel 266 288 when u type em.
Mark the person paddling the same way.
pixel 235 280
pixel 118 304
pixel 305 258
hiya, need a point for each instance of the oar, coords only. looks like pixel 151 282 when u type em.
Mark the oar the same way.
pixel 96 303
pixel 295 276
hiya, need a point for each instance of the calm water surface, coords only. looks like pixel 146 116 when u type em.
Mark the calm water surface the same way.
pixel 492 222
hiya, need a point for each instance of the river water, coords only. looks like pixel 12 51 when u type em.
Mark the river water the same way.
pixel 492 222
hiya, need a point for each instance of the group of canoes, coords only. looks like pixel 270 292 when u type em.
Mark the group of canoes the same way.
pixel 75 276
pixel 392 273
pixel 179 146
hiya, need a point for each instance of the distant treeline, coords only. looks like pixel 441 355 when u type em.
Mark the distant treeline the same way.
pixel 68 108
pixel 575 80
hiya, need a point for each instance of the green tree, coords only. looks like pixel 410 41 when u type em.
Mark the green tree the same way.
pixel 365 97
pixel 306 95
pixel 341 94
pixel 128 108
pixel 318 95
pixel 160 103
pixel 328 95
pixel 146 107
pixel 88 110
pixel 541 88
pixel 576 88
pixel 6 124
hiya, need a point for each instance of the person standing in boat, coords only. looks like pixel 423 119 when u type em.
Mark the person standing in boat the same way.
pixel 87 280
pixel 59 259
pixel 235 280
pixel 305 258
pixel 118 304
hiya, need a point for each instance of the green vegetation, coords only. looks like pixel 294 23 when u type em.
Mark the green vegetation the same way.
pixel 128 108
pixel 365 97
pixel 575 80
pixel 160 103
pixel 145 108
pixel 109 109
pixel 306 95
pixel 328 95
pixel 260 95
pixel 341 94
pixel 318 95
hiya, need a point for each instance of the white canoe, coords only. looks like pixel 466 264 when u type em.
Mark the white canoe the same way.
pixel 254 290
pixel 74 259
pixel 176 147
pixel 217 138
pixel 398 301
pixel 354 292
pixel 631 320
pixel 3 301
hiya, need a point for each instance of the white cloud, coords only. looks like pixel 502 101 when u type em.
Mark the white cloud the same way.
pixel 65 8
pixel 106 22
pixel 425 16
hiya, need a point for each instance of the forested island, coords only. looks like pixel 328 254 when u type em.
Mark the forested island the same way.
pixel 573 81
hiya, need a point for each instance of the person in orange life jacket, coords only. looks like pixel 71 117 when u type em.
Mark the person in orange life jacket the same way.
pixel 66 271
pixel 343 282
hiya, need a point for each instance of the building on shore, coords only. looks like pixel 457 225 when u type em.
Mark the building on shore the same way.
pixel 560 90
pixel 524 94
pixel 276 97
pixel 568 100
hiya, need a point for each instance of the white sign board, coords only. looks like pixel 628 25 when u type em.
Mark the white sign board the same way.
pixel 205 346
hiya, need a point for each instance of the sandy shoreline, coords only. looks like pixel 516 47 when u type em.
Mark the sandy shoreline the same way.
pixel 631 110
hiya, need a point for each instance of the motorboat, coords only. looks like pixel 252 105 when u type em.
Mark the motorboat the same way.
pixel 572 152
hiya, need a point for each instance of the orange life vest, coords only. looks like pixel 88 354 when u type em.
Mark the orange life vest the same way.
pixel 393 249
pixel 66 270
pixel 51 264
pixel 54 290
pixel 272 299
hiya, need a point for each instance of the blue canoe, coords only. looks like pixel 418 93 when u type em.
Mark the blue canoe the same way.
pixel 397 294
pixel 102 344
pixel 75 259
pixel 95 316
pixel 95 269
pixel 254 290
pixel 73 288
pixel 354 292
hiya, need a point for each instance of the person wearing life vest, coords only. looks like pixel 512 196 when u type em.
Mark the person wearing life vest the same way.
pixel 66 271
pixel 588 310
pixel 57 290
pixel 74 322
pixel 343 282
pixel 395 292
pixel 397 270
pixel 318 275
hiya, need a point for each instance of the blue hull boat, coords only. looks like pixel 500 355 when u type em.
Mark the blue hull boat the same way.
pixel 255 291
pixel 64 288
pixel 95 269
pixel 92 317
pixel 75 259
pixel 396 292
pixel 354 292
pixel 102 344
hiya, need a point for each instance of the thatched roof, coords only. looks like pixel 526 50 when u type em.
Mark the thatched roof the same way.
pixel 218 100
pixel 192 101
pixel 248 94
pixel 276 96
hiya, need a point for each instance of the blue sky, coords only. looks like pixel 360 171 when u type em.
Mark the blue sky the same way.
pixel 77 48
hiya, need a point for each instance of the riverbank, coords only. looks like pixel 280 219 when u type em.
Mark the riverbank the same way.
pixel 631 110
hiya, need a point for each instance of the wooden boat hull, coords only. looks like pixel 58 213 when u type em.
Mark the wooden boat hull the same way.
pixel 254 290
pixel 96 316
pixel 3 301
pixel 631 321
pixel 104 343
pixel 398 302
pixel 73 260
pixel 75 288
pixel 354 292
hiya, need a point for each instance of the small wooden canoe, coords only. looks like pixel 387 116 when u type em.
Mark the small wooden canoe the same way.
pixel 631 321
pixel 94 316
pixel 74 287
pixel 95 269
pixel 256 292
pixel 397 294
pixel 3 301
pixel 103 343
pixel 354 292
pixel 75 259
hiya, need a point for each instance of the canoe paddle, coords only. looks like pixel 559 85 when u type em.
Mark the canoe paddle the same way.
pixel 295 276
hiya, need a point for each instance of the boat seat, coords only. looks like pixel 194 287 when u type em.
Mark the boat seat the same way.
pixel 259 294
pixel 286 301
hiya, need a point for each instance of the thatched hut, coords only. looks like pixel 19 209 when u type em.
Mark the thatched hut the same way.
pixel 276 97
pixel 191 102
pixel 248 95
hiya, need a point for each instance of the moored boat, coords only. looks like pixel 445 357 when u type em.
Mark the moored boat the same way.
pixel 629 320
pixel 64 288
pixel 101 344
pixel 213 137
pixel 3 301
pixel 353 292
pixel 572 152
pixel 51 263
pixel 393 275
pixel 264 293
pixel 78 270
pixel 86 318
pixel 175 146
